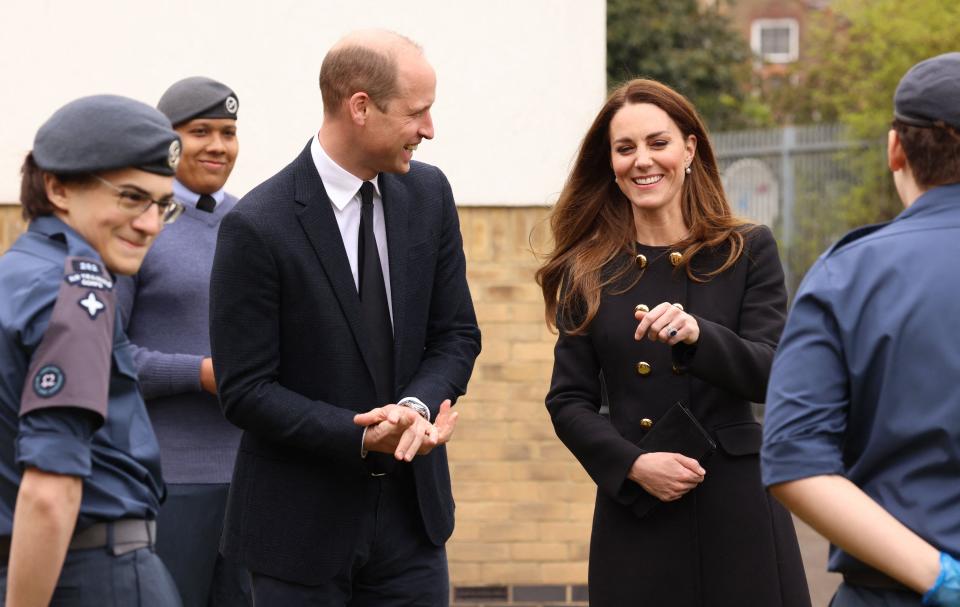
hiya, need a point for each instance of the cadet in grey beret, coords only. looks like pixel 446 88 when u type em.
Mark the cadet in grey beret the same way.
pixel 929 94
pixel 97 189
pixel 198 97
pixel 105 132
pixel 171 357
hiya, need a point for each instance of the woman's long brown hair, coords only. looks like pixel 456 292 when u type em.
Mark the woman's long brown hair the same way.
pixel 592 222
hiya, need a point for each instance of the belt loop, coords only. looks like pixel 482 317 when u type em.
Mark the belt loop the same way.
pixel 151 534
pixel 111 545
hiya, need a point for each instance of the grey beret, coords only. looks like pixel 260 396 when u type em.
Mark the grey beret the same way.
pixel 106 132
pixel 930 92
pixel 198 97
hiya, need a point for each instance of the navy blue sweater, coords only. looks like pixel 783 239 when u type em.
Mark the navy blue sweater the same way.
pixel 165 311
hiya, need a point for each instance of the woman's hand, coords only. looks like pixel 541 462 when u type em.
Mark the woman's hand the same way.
pixel 667 323
pixel 666 476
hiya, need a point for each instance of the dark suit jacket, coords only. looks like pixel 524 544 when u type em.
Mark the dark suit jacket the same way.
pixel 290 357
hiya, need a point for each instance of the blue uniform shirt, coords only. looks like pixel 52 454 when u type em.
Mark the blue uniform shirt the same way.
pixel 69 401
pixel 865 380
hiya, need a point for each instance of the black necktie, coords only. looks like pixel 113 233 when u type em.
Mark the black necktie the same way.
pixel 206 203
pixel 374 311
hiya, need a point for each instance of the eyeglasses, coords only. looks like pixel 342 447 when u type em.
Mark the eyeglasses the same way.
pixel 136 202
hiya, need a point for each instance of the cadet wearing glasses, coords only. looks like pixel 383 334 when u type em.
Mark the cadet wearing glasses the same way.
pixel 79 463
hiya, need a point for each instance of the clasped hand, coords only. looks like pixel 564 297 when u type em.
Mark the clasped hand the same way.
pixel 667 323
pixel 403 432
pixel 666 476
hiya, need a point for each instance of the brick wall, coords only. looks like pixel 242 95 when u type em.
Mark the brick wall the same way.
pixel 524 505
pixel 11 225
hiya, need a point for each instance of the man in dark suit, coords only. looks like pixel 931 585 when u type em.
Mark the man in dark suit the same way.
pixel 341 326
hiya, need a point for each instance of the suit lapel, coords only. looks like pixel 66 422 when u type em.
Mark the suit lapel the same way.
pixel 395 207
pixel 320 225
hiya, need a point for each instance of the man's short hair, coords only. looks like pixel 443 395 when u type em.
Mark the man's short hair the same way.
pixel 353 68
pixel 933 153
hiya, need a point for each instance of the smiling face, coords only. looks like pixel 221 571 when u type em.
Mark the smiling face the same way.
pixel 649 155
pixel 121 237
pixel 210 148
pixel 391 136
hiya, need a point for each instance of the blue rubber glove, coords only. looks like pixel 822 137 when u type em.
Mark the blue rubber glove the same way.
pixel 946 590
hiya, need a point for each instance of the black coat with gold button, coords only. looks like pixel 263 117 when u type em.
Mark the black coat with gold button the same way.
pixel 727 542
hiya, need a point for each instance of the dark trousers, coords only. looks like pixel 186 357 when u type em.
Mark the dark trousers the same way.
pixel 858 596
pixel 188 542
pixel 393 563
pixel 97 578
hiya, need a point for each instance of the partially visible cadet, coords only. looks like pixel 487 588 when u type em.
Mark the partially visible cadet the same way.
pixel 197 444
pixel 80 480
pixel 862 430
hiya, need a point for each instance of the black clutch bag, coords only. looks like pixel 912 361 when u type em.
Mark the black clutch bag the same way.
pixel 678 431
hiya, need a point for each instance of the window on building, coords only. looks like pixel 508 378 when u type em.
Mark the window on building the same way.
pixel 775 40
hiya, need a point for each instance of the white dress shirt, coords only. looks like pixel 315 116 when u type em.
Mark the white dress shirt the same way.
pixel 343 189
pixel 187 196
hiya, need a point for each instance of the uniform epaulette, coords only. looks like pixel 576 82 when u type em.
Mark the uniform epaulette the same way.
pixel 854 235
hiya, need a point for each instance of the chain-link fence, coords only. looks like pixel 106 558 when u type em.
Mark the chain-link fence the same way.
pixel 794 179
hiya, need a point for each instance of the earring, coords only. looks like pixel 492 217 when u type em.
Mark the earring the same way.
pixel 689 170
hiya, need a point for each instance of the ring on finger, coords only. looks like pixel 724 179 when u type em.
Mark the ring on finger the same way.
pixel 671 332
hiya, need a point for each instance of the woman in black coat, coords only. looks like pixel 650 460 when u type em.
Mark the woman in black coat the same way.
pixel 660 295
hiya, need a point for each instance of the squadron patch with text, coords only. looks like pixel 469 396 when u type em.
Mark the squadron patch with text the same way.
pixel 48 381
pixel 92 305
pixel 88 274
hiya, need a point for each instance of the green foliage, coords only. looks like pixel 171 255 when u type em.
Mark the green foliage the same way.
pixel 854 55
pixel 694 50
pixel 856 52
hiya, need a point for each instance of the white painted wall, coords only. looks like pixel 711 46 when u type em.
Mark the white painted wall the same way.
pixel 518 80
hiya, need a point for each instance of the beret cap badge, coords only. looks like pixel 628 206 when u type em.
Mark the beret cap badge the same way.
pixel 173 154
pixel 231 104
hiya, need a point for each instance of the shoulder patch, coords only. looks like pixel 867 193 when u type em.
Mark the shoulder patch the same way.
pixel 92 305
pixel 87 273
pixel 48 381
pixel 854 235
pixel 71 366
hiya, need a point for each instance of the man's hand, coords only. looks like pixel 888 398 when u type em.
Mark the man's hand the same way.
pixel 401 431
pixel 666 476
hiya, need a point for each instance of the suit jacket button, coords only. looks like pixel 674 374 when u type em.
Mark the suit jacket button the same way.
pixel 641 308
pixel 676 370
pixel 646 423
pixel 642 261
pixel 676 258
pixel 643 368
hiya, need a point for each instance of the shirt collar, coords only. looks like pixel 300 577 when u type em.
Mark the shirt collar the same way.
pixel 341 185
pixel 188 196
pixel 935 199
pixel 52 226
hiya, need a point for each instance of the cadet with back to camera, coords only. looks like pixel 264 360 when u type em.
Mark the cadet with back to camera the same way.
pixel 861 437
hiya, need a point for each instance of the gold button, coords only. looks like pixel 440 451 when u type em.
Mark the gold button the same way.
pixel 678 306
pixel 642 261
pixel 676 370
pixel 643 368
pixel 676 258
pixel 646 423
pixel 641 308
